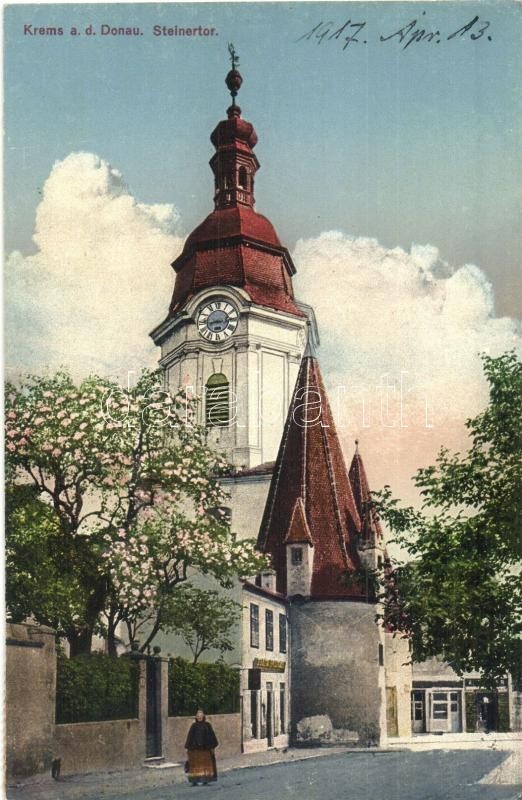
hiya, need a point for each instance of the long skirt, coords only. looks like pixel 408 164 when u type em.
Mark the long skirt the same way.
pixel 202 765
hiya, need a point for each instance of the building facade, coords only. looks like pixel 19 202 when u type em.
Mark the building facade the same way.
pixel 265 672
pixel 316 663
pixel 237 338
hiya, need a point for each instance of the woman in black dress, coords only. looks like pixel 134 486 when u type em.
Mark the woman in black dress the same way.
pixel 200 745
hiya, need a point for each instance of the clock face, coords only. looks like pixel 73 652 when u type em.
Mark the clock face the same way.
pixel 217 320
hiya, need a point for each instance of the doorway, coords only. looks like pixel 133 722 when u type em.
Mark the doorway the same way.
pixel 486 712
pixel 445 711
pixel 392 725
pixel 270 714
pixel 418 712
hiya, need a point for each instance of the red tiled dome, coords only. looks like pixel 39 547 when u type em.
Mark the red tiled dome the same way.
pixel 225 223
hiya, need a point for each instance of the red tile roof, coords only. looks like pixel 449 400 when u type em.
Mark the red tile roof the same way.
pixel 310 473
pixel 371 530
pixel 266 468
pixel 241 253
pixel 298 532
pixel 234 245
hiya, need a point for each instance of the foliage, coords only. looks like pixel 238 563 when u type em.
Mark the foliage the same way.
pixel 41 580
pixel 461 592
pixel 203 618
pixel 94 687
pixel 134 490
pixel 212 687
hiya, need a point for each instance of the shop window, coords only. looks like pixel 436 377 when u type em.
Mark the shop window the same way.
pixel 440 705
pixel 282 707
pixel 269 629
pixel 217 401
pixel 254 625
pixel 282 633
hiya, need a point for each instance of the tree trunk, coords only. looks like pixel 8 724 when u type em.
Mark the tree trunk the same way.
pixel 80 641
pixel 111 633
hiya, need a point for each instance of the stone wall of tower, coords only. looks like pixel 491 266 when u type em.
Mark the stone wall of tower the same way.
pixel 336 667
pixel 247 502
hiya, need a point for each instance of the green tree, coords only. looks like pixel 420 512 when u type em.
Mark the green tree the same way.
pixel 41 577
pixel 204 618
pixel 460 594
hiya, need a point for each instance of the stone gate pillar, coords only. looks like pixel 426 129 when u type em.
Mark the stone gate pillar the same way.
pixel 30 699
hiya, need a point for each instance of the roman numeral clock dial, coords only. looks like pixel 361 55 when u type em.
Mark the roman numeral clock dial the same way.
pixel 217 321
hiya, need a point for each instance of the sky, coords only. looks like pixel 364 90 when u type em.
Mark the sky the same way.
pixel 391 171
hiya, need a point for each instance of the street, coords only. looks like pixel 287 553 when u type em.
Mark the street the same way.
pixel 431 775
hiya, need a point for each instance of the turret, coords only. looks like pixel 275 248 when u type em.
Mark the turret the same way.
pixel 299 554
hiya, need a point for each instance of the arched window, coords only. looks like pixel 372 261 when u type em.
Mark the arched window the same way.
pixel 217 403
pixel 242 178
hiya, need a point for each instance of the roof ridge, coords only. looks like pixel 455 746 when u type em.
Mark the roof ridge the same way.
pixel 333 484
pixel 265 526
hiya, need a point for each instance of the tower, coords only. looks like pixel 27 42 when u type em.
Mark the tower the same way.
pixel 312 529
pixel 234 332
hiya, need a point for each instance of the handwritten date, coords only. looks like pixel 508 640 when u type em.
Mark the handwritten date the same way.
pixel 352 33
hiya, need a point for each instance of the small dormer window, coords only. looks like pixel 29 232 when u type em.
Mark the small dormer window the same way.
pixel 242 178
pixel 297 556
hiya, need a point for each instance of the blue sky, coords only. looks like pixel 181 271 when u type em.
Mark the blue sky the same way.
pixel 405 145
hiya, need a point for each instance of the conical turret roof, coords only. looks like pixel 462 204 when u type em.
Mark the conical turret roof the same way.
pixel 310 497
pixel 371 530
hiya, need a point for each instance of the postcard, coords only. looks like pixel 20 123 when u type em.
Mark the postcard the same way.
pixel 262 399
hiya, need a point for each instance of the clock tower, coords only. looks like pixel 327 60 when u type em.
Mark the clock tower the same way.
pixel 234 331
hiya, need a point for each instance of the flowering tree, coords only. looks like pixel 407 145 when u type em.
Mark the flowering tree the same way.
pixel 134 489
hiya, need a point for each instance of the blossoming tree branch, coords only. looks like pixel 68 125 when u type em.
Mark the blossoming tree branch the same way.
pixel 113 500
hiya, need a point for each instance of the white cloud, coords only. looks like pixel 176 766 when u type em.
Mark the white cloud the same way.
pixel 100 279
pixel 382 311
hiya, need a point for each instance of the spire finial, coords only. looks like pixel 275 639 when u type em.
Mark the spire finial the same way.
pixel 357 445
pixel 233 79
pixel 309 351
pixel 234 58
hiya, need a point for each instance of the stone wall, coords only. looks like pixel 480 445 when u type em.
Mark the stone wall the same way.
pixel 227 728
pixel 30 699
pixel 92 746
pixel 399 675
pixel 515 710
pixel 335 667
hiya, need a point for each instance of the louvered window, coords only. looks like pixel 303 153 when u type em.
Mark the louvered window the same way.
pixel 217 400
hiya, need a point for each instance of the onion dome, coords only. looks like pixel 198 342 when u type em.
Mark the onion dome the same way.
pixel 234 245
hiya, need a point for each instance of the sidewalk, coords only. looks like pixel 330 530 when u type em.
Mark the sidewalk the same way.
pixel 107 784
pixel 456 741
